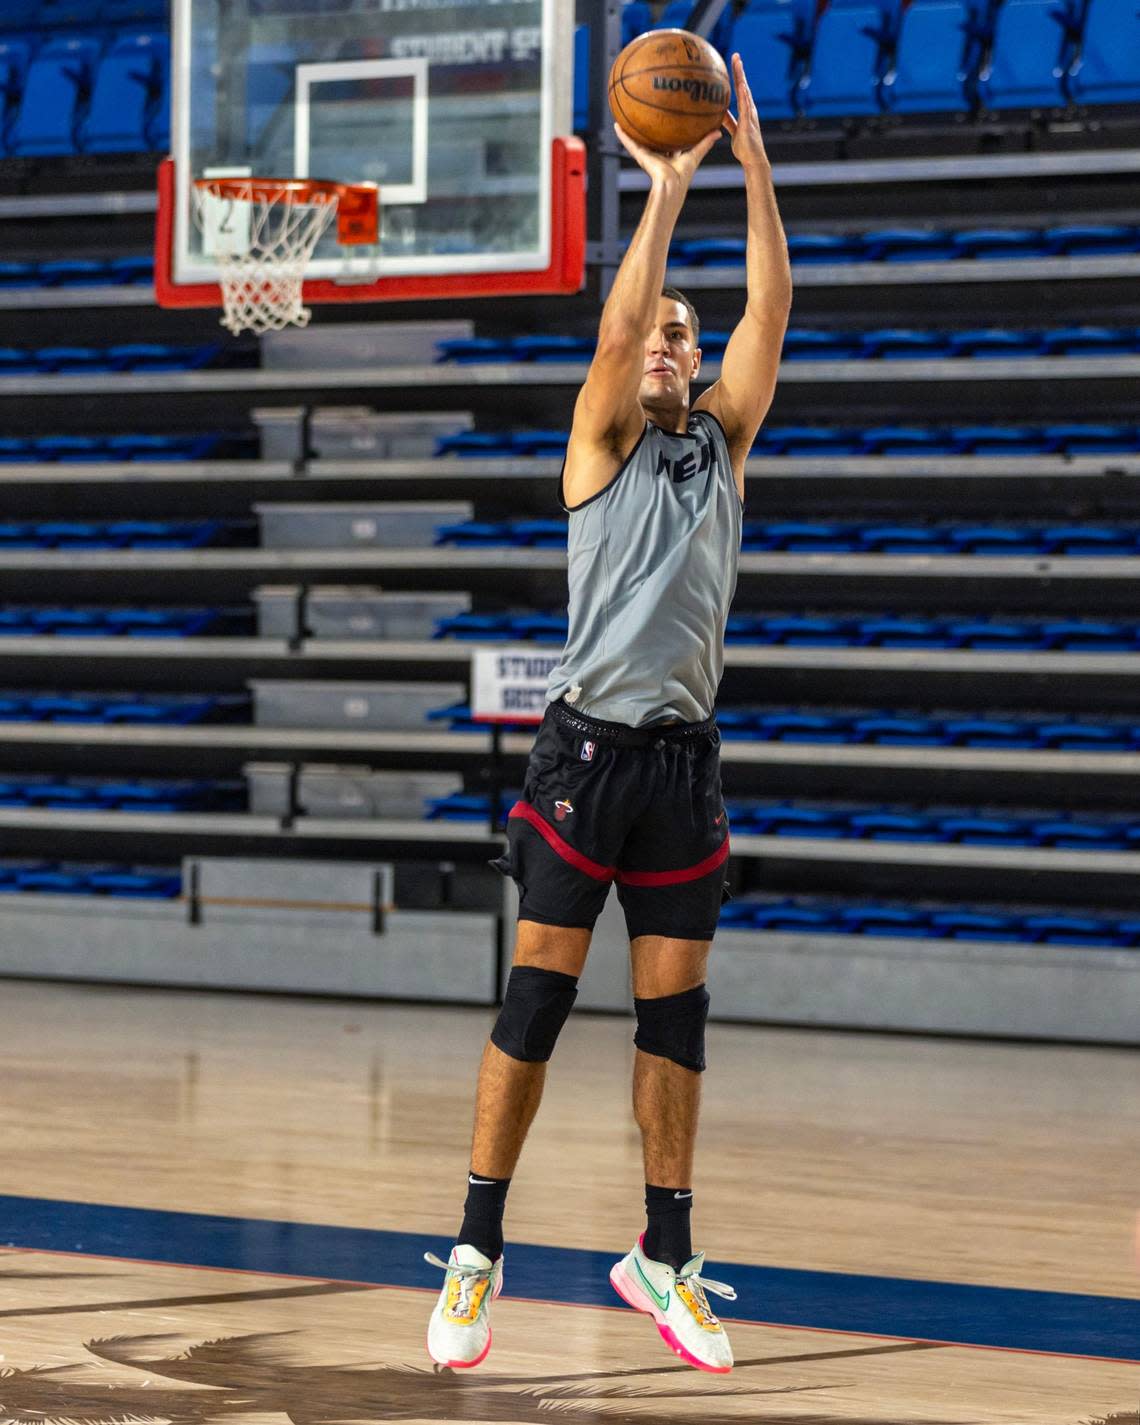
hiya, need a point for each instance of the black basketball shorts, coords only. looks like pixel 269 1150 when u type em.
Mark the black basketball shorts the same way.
pixel 605 803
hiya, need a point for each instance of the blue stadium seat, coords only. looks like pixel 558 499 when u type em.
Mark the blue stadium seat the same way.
pixel 154 356
pixel 892 826
pixel 825 247
pixel 802 631
pixel 550 348
pixel 1089 636
pixel 808 440
pixel 19 274
pixel 133 12
pixel 636 18
pixel 14 362
pixel 973 925
pixel 57 87
pixel 801 344
pixel 132 269
pixel 1083 737
pixel 936 58
pixel 905 440
pixel 541 443
pixel 994 634
pixel 581 78
pixel 908 245
pixel 466 351
pixel 902 344
pixel 774 41
pixel 1107 67
pixel 895 632
pixel 83 272
pixel 878 920
pixel 129 85
pixel 63 14
pixel 796 727
pixel 64 359
pixel 675 16
pixel 992 539
pixel 1092 439
pixel 852 38
pixel 987 732
pixel 893 731
pixel 899 539
pixel 15 56
pixel 1089 341
pixel 1033 47
pixel 1079 239
pixel 69 447
pixel 995 440
pixel 710 252
pixel 999 242
pixel 19 14
pixel 992 341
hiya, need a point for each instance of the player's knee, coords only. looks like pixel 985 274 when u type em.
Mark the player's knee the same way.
pixel 673 1027
pixel 535 1007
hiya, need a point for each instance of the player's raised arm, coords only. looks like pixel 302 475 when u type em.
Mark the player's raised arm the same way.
pixel 608 418
pixel 740 399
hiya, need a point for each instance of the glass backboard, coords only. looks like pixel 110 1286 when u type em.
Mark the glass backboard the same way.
pixel 453 107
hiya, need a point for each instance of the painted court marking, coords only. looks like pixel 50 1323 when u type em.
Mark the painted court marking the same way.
pixel 1002 1318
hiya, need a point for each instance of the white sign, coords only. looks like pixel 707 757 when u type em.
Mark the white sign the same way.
pixel 225 221
pixel 508 684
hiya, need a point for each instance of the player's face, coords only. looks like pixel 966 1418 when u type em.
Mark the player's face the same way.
pixel 671 357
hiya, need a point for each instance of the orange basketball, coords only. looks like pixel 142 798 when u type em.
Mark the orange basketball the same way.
pixel 668 89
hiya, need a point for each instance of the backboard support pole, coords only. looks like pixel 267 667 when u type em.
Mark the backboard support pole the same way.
pixel 604 247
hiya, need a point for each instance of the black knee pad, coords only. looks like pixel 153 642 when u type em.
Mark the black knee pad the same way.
pixel 534 1010
pixel 673 1027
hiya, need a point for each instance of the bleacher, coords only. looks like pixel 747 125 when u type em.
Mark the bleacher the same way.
pixel 241 587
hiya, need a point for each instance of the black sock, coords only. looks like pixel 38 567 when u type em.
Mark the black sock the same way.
pixel 483 1214
pixel 667 1237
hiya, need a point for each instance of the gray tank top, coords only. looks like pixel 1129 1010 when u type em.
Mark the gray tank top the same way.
pixel 653 561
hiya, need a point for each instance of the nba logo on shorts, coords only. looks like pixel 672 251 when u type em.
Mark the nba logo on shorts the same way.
pixel 587 752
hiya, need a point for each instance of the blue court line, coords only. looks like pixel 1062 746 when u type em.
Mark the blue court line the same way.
pixel 1009 1318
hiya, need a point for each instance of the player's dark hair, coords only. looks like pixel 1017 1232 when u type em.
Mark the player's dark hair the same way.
pixel 694 321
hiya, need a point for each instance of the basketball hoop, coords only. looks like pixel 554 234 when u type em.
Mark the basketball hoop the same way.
pixel 263 231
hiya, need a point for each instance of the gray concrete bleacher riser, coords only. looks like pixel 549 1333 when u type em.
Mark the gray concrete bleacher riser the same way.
pixel 375 524
pixel 1035 991
pixel 448 956
pixel 329 790
pixel 339 612
pixel 381 706
pixel 352 432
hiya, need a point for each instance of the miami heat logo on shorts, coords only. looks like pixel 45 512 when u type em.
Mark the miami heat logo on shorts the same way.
pixel 561 810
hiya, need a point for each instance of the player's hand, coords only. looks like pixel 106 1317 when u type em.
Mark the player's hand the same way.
pixel 747 141
pixel 668 170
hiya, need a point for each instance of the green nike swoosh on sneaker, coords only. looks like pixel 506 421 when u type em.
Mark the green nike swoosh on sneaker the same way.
pixel 662 1301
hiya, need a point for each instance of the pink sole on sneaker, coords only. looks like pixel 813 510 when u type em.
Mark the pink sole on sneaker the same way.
pixel 633 1296
pixel 466 1365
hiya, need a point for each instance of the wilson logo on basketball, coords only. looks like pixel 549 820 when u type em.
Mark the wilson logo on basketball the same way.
pixel 702 90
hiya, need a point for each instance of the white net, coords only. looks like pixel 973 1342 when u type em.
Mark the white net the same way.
pixel 262 237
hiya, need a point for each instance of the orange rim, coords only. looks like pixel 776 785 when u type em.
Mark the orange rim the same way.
pixel 357 204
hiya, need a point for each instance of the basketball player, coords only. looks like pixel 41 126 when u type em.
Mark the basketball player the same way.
pixel 623 782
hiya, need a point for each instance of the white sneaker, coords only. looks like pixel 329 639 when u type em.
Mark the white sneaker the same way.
pixel 459 1332
pixel 677 1302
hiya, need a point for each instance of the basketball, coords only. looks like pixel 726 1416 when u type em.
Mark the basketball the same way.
pixel 668 89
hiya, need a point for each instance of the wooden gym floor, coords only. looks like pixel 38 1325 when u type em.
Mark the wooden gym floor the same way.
pixel 215 1208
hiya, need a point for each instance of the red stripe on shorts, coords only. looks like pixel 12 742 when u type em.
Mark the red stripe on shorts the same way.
pixel 673 878
pixel 563 848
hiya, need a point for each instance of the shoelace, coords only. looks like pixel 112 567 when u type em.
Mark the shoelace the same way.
pixel 699 1285
pixel 468 1279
